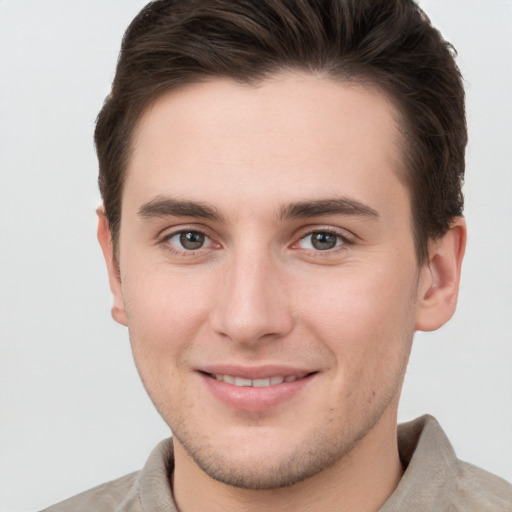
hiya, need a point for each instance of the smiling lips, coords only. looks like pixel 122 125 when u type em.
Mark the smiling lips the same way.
pixel 257 383
pixel 248 391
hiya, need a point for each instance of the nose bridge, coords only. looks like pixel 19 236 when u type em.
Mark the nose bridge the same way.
pixel 252 302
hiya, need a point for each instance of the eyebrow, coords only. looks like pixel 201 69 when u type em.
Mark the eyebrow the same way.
pixel 334 206
pixel 170 207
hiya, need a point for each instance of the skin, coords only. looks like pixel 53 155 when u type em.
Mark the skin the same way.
pixel 259 293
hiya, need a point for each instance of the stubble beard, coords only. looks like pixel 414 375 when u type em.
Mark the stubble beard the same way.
pixel 329 443
pixel 322 449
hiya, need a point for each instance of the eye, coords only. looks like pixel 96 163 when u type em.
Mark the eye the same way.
pixel 187 240
pixel 321 241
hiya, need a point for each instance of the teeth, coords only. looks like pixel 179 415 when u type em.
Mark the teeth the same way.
pixel 257 383
pixel 239 381
pixel 227 378
pixel 261 383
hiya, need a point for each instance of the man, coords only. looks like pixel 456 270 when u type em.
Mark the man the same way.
pixel 282 210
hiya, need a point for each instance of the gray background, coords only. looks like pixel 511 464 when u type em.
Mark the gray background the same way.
pixel 72 411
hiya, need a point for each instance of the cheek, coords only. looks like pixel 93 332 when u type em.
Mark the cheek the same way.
pixel 365 317
pixel 164 315
pixel 165 311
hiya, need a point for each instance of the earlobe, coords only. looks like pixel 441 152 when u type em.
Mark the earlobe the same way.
pixel 114 276
pixel 440 277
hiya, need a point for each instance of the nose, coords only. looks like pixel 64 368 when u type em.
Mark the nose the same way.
pixel 253 302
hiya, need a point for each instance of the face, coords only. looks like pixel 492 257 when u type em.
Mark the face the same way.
pixel 267 273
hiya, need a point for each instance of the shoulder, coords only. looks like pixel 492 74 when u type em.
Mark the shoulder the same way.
pixel 479 490
pixel 435 479
pixel 147 489
pixel 107 497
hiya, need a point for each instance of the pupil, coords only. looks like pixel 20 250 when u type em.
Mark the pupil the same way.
pixel 323 241
pixel 192 240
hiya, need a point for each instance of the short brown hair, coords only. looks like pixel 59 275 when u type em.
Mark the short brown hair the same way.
pixel 387 43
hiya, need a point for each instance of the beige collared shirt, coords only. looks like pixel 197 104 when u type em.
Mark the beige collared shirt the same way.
pixel 434 480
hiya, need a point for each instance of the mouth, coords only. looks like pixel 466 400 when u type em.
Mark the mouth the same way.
pixel 257 383
pixel 256 390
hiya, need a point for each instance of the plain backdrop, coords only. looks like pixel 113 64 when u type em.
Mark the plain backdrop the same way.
pixel 72 410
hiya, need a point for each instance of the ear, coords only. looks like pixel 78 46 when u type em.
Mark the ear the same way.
pixel 440 277
pixel 114 275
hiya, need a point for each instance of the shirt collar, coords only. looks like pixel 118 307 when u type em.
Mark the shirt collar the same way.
pixel 431 468
pixel 425 452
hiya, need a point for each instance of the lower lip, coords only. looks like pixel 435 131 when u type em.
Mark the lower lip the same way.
pixel 254 399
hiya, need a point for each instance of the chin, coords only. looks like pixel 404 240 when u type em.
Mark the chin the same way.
pixel 267 460
pixel 266 471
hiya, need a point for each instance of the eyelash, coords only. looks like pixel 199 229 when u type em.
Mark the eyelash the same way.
pixel 165 240
pixel 342 238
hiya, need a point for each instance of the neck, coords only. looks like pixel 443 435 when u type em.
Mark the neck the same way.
pixel 360 482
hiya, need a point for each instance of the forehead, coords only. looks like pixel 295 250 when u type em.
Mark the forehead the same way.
pixel 291 135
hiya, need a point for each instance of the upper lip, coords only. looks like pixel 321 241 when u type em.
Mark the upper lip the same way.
pixel 254 372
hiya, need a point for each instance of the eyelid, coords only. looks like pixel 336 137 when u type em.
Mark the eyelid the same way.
pixel 342 233
pixel 169 231
pixel 346 239
pixel 166 234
